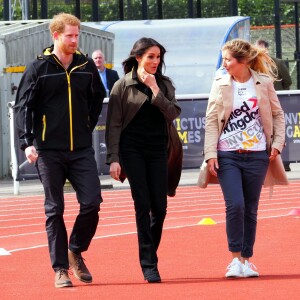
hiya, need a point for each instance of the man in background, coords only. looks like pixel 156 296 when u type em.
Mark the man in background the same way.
pixel 108 76
pixel 284 79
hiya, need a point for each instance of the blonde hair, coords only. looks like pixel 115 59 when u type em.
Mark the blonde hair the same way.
pixel 256 58
pixel 60 20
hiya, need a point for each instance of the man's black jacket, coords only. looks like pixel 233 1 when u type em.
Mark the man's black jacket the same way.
pixel 58 108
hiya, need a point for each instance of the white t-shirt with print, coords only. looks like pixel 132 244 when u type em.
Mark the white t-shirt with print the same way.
pixel 244 128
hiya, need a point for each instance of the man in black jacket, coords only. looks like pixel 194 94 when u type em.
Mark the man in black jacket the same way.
pixel 108 76
pixel 58 103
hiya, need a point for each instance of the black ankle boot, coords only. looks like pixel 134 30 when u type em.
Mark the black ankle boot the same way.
pixel 152 275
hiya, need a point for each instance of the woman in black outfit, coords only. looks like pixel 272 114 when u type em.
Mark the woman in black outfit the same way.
pixel 141 108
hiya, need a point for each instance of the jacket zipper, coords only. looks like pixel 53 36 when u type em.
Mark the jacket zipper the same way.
pixel 70 99
pixel 44 128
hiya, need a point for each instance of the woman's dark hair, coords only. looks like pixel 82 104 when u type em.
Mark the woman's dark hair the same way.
pixel 138 49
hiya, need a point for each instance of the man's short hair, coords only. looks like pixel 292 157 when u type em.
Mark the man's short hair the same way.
pixel 262 42
pixel 60 20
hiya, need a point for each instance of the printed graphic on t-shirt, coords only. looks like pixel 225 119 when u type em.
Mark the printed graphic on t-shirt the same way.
pixel 244 128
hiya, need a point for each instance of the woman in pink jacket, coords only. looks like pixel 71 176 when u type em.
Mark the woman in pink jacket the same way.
pixel 244 136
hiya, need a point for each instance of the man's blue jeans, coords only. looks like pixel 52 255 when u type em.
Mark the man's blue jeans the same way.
pixel 241 176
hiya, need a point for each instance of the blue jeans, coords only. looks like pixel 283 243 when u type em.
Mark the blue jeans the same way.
pixel 241 176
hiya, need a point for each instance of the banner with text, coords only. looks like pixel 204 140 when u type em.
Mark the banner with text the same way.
pixel 191 127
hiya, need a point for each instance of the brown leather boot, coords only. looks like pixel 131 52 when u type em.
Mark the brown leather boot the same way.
pixel 79 268
pixel 62 279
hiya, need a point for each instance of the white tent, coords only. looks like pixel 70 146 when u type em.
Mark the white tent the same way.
pixel 193 46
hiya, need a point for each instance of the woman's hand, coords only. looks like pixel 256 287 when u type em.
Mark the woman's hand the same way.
pixel 274 153
pixel 148 79
pixel 213 166
pixel 115 170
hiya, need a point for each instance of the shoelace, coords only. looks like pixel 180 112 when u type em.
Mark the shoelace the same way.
pixel 252 266
pixel 62 272
pixel 233 263
pixel 79 261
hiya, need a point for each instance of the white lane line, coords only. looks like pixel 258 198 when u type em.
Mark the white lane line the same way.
pixel 170 211
pixel 168 219
pixel 173 205
pixel 110 204
pixel 134 232
pixel 4 252
pixel 22 234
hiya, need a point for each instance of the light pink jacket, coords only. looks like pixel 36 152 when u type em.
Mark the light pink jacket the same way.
pixel 218 111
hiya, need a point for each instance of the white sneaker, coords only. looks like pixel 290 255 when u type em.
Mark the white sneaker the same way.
pixel 235 268
pixel 248 270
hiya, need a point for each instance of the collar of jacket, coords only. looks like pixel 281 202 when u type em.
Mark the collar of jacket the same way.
pixel 47 54
pixel 131 77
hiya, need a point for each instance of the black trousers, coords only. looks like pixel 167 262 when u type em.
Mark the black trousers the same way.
pixel 79 167
pixel 147 175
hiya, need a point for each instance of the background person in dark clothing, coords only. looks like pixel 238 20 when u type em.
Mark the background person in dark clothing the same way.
pixel 141 107
pixel 284 80
pixel 108 76
pixel 57 107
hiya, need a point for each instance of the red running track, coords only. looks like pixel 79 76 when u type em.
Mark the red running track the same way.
pixel 192 258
